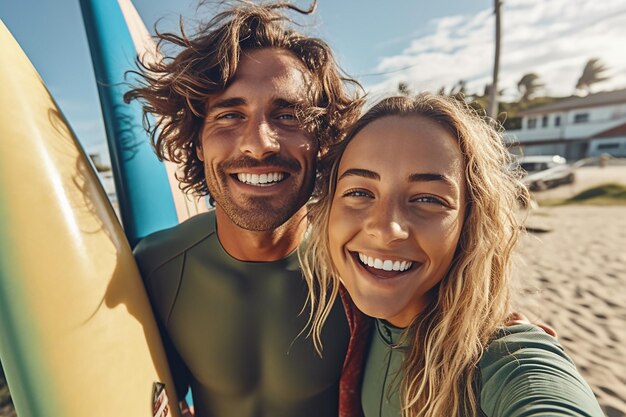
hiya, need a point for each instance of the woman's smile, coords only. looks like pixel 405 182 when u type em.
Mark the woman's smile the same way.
pixel 396 215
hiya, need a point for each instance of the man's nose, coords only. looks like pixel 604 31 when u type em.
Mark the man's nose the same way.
pixel 387 223
pixel 259 140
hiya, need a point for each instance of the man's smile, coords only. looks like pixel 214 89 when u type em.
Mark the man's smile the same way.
pixel 261 180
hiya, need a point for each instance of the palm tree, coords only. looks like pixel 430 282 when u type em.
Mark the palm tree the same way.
pixel 493 97
pixel 528 86
pixel 593 73
pixel 403 89
pixel 6 404
pixel 459 89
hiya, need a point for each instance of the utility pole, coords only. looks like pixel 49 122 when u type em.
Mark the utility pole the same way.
pixel 492 110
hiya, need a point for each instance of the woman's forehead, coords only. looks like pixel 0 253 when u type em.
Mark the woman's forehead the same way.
pixel 403 141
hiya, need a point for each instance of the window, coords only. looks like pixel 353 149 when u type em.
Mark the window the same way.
pixel 557 121
pixel 544 121
pixel 608 146
pixel 532 122
pixel 581 118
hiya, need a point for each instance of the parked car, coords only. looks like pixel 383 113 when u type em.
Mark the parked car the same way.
pixel 545 171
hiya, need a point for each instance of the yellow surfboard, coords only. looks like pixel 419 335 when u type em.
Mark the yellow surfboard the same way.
pixel 77 334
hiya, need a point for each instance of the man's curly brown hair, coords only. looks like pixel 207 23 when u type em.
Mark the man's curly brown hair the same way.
pixel 177 89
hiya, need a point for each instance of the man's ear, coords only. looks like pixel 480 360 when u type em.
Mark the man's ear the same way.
pixel 199 153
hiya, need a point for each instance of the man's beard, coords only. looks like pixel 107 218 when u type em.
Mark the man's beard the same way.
pixel 261 213
pixel 259 216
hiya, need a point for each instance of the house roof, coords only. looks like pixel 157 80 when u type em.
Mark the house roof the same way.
pixel 619 130
pixel 571 103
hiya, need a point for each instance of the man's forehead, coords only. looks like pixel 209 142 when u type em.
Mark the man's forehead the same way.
pixel 240 95
pixel 271 64
pixel 268 75
pixel 273 60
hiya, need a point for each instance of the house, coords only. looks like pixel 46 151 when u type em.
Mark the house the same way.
pixel 575 127
pixel 105 175
pixel 612 142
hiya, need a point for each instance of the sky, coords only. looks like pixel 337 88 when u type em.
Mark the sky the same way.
pixel 425 44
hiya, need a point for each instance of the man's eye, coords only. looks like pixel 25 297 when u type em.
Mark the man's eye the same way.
pixel 228 116
pixel 286 116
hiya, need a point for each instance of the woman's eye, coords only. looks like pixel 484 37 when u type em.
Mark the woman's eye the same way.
pixel 428 199
pixel 357 193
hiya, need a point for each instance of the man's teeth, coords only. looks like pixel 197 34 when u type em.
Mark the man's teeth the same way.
pixel 256 179
pixel 385 264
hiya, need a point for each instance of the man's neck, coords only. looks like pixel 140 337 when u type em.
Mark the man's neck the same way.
pixel 264 246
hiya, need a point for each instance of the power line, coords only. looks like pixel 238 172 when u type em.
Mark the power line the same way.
pixel 377 74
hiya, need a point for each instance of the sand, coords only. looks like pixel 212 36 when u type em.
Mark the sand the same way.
pixel 572 275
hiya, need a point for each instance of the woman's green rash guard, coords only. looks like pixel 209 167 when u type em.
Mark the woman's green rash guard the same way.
pixel 383 372
pixel 523 372
pixel 233 330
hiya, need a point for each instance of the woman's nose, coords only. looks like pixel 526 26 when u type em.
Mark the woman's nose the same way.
pixel 387 223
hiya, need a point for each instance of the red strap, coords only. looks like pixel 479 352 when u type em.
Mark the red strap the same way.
pixel 352 374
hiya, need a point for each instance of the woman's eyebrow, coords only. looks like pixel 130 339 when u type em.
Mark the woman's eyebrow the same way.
pixel 359 172
pixel 417 177
pixel 429 177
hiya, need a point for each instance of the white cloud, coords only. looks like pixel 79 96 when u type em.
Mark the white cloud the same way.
pixel 553 39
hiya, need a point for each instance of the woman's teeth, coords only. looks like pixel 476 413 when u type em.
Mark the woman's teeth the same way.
pixel 385 264
pixel 261 179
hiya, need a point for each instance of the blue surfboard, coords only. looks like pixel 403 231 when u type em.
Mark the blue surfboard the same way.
pixel 145 199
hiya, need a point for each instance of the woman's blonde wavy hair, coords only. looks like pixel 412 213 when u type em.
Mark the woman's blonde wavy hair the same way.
pixel 472 301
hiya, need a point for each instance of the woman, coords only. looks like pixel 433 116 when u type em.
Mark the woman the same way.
pixel 416 218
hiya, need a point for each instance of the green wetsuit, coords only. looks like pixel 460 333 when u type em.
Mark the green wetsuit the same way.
pixel 523 372
pixel 383 372
pixel 232 329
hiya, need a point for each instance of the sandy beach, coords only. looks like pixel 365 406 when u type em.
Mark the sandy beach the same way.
pixel 572 275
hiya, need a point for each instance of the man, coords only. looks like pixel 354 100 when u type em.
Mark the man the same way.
pixel 246 106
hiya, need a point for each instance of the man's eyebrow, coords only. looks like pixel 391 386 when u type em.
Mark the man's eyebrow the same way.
pixel 284 103
pixel 227 103
pixel 359 172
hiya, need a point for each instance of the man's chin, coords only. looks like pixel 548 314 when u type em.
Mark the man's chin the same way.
pixel 258 225
pixel 261 213
pixel 259 218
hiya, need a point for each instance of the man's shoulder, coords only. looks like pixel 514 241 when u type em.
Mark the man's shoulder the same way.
pixel 525 370
pixel 512 342
pixel 163 246
pixel 524 351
